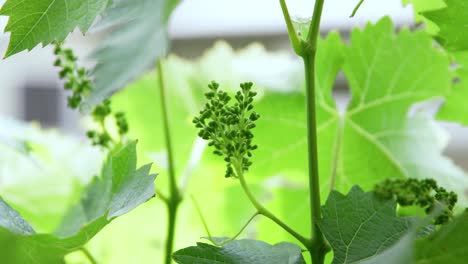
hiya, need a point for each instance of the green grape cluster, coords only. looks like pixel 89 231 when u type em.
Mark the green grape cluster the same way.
pixel 423 193
pixel 100 114
pixel 228 126
pixel 76 80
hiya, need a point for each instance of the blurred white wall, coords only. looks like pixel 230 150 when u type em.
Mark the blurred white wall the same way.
pixel 253 17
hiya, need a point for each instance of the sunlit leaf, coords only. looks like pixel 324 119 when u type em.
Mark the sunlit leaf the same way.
pixel 452 22
pixel 420 6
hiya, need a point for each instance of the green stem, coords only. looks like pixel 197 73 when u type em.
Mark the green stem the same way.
pixel 315 24
pixel 318 247
pixel 175 198
pixel 205 225
pixel 263 211
pixel 295 41
pixel 243 227
pixel 172 209
pixel 207 230
pixel 88 255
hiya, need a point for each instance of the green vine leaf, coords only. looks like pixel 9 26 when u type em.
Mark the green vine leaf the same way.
pixel 241 252
pixel 420 6
pixel 376 137
pixel 34 22
pixel 120 189
pixel 137 39
pixel 360 225
pixel 379 138
pixel 454 109
pixel 452 22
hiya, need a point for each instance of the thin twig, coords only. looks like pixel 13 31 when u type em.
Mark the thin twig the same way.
pixel 356 8
pixel 207 230
pixel 88 255
pixel 265 212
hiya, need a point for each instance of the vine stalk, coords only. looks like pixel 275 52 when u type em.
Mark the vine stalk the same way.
pixel 318 247
pixel 173 201
pixel 308 51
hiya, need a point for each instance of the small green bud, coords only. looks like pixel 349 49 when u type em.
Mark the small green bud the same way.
pixel 74 101
pixel 57 49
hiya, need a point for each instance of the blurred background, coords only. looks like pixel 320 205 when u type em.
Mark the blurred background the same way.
pixel 31 91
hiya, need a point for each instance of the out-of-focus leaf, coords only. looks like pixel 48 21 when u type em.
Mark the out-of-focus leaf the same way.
pixel 137 39
pixel 18 145
pixel 359 225
pixel 447 245
pixel 272 71
pixel 33 22
pixel 399 253
pixel 43 182
pixel 241 252
pixel 120 189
